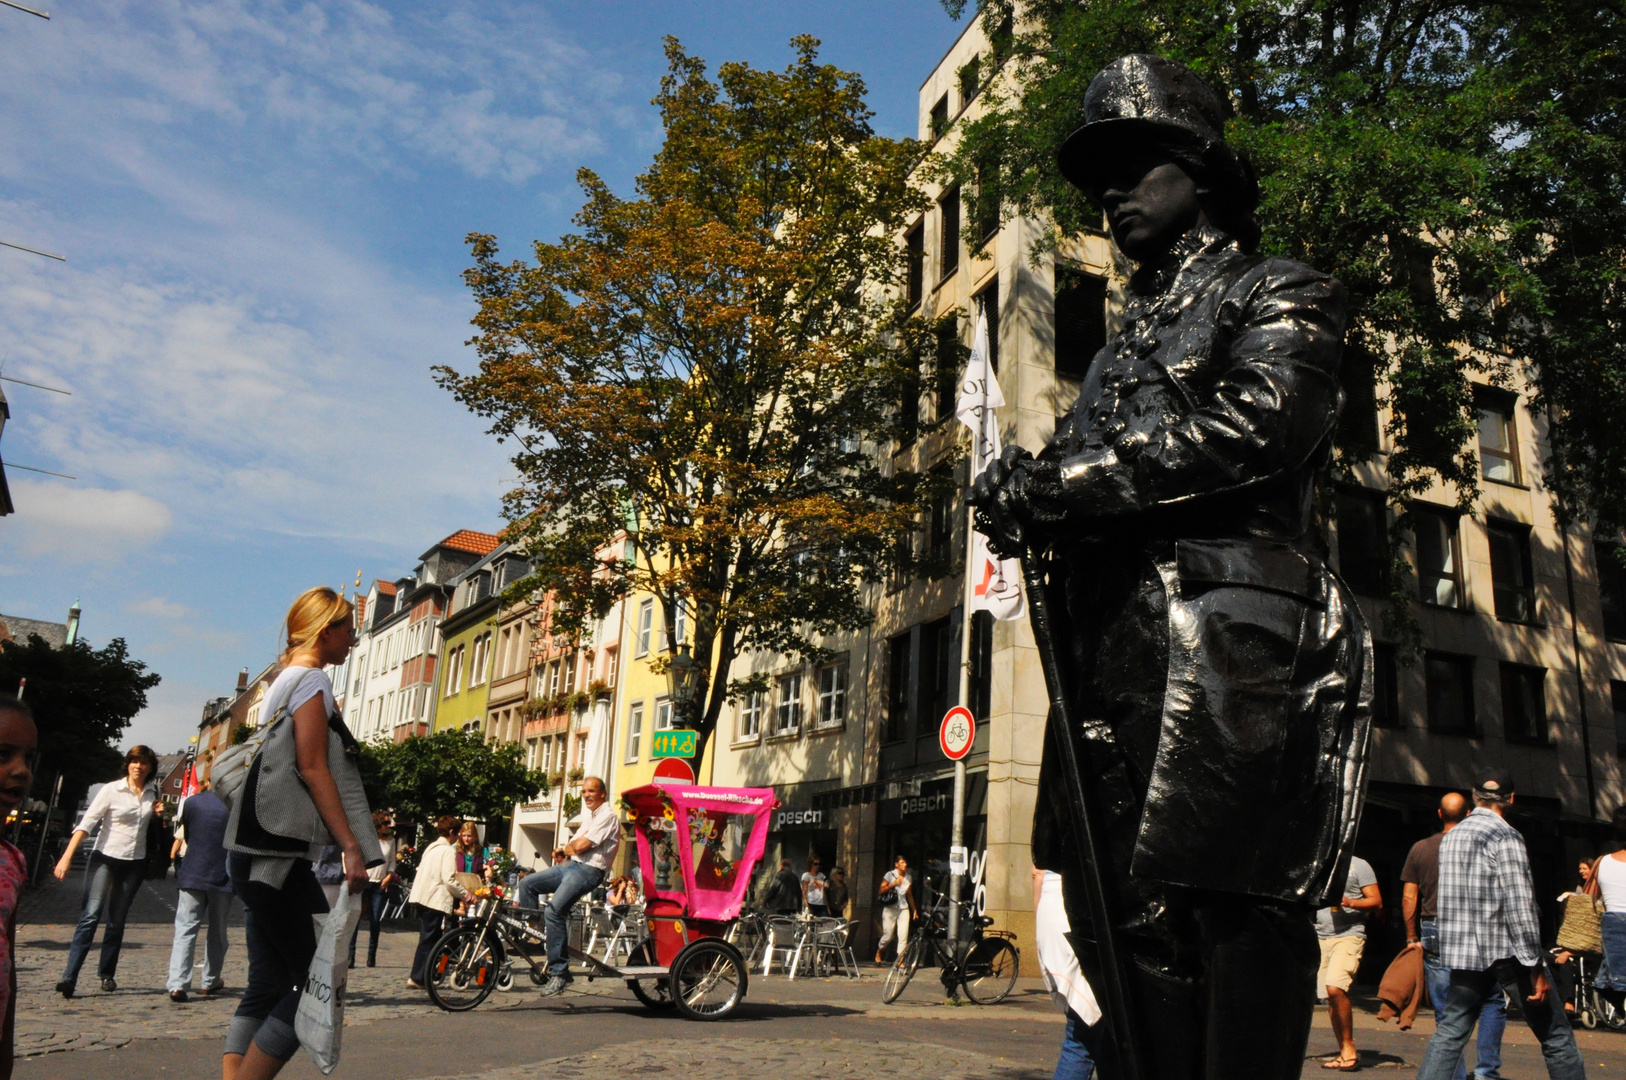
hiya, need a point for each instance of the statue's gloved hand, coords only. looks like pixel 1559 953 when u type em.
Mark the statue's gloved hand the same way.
pixel 1016 497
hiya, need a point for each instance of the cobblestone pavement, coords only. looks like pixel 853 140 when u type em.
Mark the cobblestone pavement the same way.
pixel 813 1029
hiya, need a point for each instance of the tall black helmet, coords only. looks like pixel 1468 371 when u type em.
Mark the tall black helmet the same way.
pixel 1142 100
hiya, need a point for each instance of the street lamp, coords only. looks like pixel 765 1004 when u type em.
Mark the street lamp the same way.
pixel 683 681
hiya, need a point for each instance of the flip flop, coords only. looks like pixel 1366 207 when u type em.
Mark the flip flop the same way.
pixel 1340 1065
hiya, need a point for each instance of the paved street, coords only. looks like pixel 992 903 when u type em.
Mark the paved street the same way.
pixel 813 1029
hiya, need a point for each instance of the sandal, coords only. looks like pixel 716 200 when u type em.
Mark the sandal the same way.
pixel 1341 1064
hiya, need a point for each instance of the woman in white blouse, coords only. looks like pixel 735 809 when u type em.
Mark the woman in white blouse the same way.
pixel 119 816
pixel 438 894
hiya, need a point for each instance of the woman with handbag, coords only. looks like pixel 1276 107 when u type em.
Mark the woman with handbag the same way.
pixel 302 792
pixel 120 815
pixel 438 893
pixel 1580 934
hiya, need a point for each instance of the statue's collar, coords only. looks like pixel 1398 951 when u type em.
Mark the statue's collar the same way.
pixel 1156 279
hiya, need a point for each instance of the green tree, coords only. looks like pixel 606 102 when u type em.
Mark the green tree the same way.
pixel 709 365
pixel 83 698
pixel 449 772
pixel 1460 166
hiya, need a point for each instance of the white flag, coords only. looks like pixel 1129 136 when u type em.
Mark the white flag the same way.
pixel 996 583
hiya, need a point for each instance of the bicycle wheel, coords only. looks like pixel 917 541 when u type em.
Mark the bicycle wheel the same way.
pixel 708 979
pixel 899 974
pixel 463 969
pixel 990 970
pixel 655 991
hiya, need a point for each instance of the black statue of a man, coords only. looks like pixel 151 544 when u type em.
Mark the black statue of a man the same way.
pixel 1219 671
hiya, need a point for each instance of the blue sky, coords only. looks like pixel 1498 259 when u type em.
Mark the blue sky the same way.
pixel 263 206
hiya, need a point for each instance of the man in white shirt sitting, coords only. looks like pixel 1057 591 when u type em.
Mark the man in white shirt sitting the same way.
pixel 588 858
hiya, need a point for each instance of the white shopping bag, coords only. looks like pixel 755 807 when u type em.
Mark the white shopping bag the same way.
pixel 320 1020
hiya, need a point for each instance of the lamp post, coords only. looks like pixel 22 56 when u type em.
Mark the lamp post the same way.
pixel 683 682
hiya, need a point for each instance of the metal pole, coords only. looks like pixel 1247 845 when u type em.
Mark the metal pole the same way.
pixel 1059 730
pixel 39 853
pixel 957 830
pixel 31 11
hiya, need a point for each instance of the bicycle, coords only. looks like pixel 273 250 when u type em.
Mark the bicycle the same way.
pixel 987 973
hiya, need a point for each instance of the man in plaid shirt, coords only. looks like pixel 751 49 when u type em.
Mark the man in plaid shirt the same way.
pixel 1490 939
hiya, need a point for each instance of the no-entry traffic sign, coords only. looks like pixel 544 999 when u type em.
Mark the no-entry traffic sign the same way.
pixel 958 730
pixel 674 768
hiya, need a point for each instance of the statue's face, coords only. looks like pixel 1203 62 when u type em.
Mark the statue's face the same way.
pixel 1150 202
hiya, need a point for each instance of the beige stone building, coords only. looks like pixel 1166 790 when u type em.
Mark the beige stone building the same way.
pixel 1523 658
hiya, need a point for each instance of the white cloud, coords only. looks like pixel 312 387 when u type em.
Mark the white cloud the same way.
pixel 88 524
pixel 161 608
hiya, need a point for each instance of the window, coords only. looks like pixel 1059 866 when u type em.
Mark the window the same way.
pixel 1524 704
pixel 680 629
pixel 986 206
pixel 989 299
pixel 949 249
pixel 939 121
pixel 504 650
pixel 454 670
pixel 940 534
pixel 1439 558
pixel 1385 687
pixel 553 680
pixel 982 665
pixel 1081 320
pixel 1450 693
pixel 1510 571
pixel 1358 432
pixel 909 398
pixel 1363 541
pixel 1611 589
pixel 915 243
pixel 832 695
pixel 939 656
pixel 970 80
pixel 787 718
pixel 482 653
pixel 663 714
pixel 946 368
pixel 646 622
pixel 751 715
pixel 897 690
pixel 635 729
pixel 1617 701
pixel 1498 439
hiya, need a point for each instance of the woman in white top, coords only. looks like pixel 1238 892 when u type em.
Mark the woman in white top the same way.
pixel 1610 874
pixel 437 892
pixel 119 816
pixel 301 795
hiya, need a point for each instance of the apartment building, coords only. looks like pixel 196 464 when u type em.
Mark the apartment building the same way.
pixel 392 671
pixel 466 634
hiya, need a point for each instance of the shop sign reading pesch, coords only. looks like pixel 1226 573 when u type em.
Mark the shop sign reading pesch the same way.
pixel 798 819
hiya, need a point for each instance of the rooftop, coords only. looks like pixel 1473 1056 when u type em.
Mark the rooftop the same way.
pixel 16 628
pixel 478 543
pixel 385 587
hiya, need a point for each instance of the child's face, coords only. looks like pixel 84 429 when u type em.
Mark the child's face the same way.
pixel 19 746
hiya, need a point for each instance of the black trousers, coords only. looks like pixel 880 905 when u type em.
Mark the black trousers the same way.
pixel 281 942
pixel 431 924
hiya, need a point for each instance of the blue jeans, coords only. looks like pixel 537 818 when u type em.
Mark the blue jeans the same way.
pixel 192 906
pixel 1075 1062
pixel 1492 1017
pixel 1465 997
pixel 568 882
pixel 110 888
pixel 372 902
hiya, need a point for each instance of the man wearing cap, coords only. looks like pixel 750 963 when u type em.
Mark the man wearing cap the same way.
pixel 1490 937
pixel 1220 672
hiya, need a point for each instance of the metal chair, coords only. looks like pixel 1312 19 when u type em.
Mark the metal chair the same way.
pixel 784 939
pixel 832 947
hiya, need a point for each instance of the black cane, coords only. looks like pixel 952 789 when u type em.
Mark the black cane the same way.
pixel 1059 729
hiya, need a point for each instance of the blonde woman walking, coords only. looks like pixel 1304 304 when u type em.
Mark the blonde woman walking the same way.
pixel 302 794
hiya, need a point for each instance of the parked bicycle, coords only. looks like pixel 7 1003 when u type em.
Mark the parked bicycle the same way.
pixel 984 965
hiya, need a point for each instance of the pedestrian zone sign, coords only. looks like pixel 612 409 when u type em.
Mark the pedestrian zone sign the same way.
pixel 674 744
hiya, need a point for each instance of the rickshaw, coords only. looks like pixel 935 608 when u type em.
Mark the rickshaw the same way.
pixel 697 847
